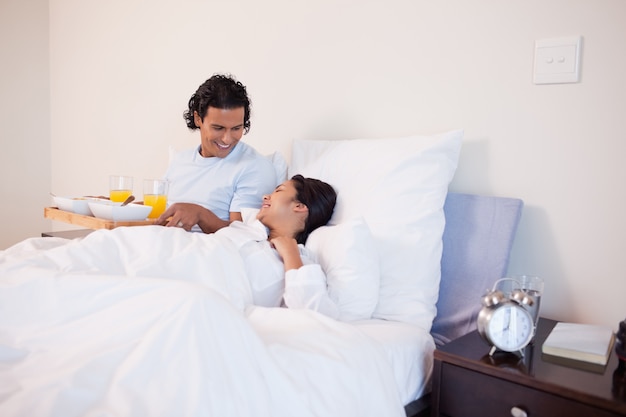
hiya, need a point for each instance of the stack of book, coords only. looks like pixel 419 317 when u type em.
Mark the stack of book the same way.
pixel 582 346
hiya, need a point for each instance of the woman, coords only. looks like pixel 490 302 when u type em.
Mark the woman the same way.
pixel 267 247
pixel 262 258
pixel 271 243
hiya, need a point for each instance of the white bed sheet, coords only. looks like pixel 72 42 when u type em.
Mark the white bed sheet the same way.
pixel 89 328
pixel 409 350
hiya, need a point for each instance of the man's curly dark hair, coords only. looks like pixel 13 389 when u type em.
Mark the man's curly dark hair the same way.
pixel 221 92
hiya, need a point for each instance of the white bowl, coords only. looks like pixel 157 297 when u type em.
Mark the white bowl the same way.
pixel 78 205
pixel 109 210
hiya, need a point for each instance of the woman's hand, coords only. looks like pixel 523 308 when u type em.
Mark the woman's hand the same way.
pixel 287 248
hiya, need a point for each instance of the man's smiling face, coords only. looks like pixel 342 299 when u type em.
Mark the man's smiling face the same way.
pixel 220 130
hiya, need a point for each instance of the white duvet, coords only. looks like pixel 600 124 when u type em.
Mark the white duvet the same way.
pixel 153 321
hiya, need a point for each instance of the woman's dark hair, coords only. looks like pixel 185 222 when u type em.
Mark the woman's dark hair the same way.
pixel 320 199
pixel 221 92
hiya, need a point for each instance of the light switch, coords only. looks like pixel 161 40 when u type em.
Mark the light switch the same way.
pixel 557 60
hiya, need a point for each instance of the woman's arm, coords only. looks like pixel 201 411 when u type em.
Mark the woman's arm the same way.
pixel 287 248
pixel 305 285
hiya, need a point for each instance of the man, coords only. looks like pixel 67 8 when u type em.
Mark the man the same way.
pixel 210 184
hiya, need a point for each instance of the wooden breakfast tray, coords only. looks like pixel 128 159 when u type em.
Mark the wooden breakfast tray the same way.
pixel 88 221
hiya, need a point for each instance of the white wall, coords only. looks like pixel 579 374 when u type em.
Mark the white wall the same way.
pixel 122 71
pixel 24 119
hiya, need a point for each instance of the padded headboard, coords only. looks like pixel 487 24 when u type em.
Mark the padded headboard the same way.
pixel 477 242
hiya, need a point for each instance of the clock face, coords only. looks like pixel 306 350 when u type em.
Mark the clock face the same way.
pixel 510 327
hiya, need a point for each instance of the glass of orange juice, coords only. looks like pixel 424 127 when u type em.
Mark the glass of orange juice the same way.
pixel 120 187
pixel 155 195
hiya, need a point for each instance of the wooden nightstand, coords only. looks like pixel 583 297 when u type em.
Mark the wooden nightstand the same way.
pixel 68 234
pixel 468 382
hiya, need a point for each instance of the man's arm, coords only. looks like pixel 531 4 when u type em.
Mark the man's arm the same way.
pixel 187 215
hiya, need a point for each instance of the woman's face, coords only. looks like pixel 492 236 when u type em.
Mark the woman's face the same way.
pixel 279 205
pixel 220 131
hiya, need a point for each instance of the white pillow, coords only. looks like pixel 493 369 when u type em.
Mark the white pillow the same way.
pixel 347 254
pixel 280 166
pixel 398 185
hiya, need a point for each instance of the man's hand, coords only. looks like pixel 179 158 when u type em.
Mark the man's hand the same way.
pixel 187 215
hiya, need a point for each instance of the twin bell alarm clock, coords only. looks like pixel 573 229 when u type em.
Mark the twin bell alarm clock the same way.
pixel 504 320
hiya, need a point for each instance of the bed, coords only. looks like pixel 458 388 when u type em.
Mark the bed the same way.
pixel 157 321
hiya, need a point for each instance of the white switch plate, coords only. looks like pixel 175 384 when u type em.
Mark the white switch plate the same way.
pixel 557 60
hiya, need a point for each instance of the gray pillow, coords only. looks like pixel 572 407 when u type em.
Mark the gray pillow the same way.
pixel 477 241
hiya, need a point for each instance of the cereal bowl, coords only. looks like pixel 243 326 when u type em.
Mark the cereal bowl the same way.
pixel 78 205
pixel 109 210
